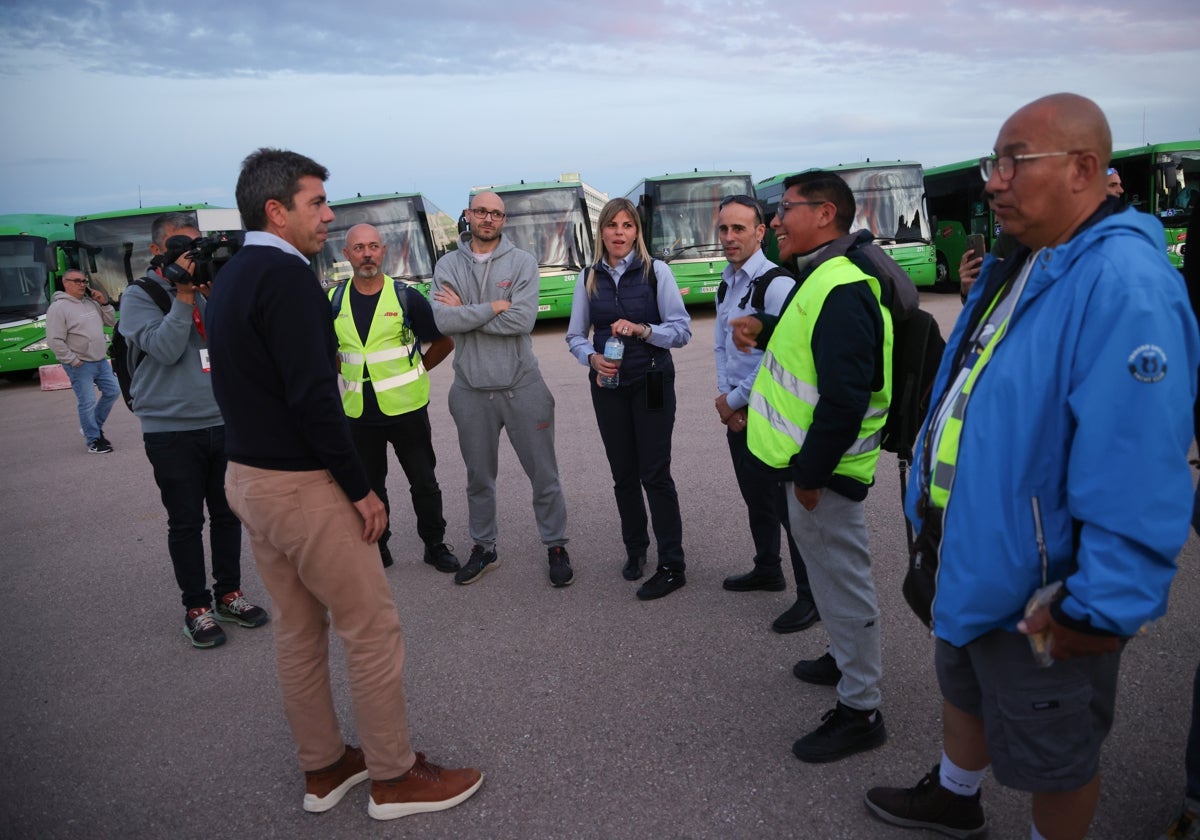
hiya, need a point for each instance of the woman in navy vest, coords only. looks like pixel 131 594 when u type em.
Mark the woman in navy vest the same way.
pixel 628 295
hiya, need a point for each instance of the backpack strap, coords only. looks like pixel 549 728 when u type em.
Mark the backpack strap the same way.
pixel 335 301
pixel 757 293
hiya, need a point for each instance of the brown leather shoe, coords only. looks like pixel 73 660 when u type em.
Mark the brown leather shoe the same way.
pixel 325 788
pixel 425 787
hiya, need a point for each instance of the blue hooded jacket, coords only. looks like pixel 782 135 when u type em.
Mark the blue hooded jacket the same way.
pixel 1081 421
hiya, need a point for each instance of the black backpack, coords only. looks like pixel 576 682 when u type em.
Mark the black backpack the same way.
pixel 756 294
pixel 125 358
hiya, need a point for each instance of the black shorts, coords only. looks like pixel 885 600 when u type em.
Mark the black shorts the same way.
pixel 1044 726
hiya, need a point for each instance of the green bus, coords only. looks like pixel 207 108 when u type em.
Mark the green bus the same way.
pixel 118 242
pixel 679 220
pixel 556 222
pixel 890 199
pixel 1163 179
pixel 414 230
pixel 959 208
pixel 35 250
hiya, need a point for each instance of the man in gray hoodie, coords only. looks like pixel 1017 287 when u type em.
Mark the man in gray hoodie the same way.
pixel 184 434
pixel 75 325
pixel 485 295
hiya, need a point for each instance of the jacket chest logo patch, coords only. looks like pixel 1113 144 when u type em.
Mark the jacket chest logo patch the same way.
pixel 504 284
pixel 391 314
pixel 1148 363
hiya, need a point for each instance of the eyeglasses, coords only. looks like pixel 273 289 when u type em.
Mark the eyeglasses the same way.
pixel 367 246
pixel 75 280
pixel 784 206
pixel 745 201
pixel 1111 171
pixel 1005 166
pixel 494 215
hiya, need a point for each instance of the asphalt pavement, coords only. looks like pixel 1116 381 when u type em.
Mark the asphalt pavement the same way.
pixel 591 714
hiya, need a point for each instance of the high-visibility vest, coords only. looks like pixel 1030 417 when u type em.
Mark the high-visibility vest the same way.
pixel 391 356
pixel 945 460
pixel 786 391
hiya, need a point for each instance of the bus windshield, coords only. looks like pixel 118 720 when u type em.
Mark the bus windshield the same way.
pixel 549 224
pixel 889 202
pixel 111 237
pixel 23 273
pixel 684 221
pixel 1177 184
pixel 398 220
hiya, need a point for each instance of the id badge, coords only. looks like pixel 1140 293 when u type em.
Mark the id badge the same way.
pixel 204 363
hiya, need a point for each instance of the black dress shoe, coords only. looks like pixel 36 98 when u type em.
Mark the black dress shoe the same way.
pixel 633 567
pixel 663 582
pixel 799 616
pixel 822 671
pixel 767 578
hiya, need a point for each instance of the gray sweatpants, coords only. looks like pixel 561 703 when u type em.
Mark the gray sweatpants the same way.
pixel 527 416
pixel 833 541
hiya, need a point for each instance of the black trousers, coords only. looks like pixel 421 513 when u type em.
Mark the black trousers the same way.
pixel 189 469
pixel 766 505
pixel 637 442
pixel 410 436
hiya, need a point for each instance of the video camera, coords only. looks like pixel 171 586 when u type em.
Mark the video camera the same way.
pixel 208 253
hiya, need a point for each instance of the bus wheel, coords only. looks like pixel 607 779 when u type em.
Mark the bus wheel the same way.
pixel 942 283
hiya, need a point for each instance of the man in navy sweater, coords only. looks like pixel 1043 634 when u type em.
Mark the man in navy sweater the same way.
pixel 298 486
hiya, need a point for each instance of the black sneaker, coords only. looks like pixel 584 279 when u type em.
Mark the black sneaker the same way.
pixel 201 627
pixel 99 447
pixel 821 671
pixel 233 606
pixel 633 568
pixel 441 557
pixel 560 566
pixel 479 562
pixel 105 441
pixel 843 732
pixel 799 616
pixel 766 578
pixel 931 806
pixel 662 582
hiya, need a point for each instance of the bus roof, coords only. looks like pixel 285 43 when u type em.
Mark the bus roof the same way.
pixel 695 173
pixel 1158 148
pixel 341 202
pixel 46 225
pixel 147 211
pixel 840 167
pixel 527 185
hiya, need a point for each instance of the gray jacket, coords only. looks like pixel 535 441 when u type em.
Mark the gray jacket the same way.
pixel 75 329
pixel 171 391
pixel 491 352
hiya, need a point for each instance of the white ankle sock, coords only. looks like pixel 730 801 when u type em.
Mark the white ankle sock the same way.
pixel 960 781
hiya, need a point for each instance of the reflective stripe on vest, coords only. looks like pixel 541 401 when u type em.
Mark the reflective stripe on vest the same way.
pixel 786 392
pixel 397 372
pixel 948 436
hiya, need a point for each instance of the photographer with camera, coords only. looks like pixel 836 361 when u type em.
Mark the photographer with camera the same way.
pixel 182 428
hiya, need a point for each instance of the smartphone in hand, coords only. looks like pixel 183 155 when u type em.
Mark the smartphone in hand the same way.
pixel 976 245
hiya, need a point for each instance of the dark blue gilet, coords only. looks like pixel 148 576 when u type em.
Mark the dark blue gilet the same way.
pixel 634 299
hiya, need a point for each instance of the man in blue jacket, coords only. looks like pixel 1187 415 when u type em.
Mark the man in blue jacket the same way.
pixel 1053 464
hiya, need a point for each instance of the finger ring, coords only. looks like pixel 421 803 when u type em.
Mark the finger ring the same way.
pixel 624 330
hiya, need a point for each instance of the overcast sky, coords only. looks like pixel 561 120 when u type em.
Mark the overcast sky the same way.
pixel 112 103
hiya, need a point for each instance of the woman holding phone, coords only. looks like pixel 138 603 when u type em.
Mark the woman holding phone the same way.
pixel 627 295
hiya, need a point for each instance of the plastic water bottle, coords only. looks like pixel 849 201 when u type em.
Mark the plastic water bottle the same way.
pixel 614 351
